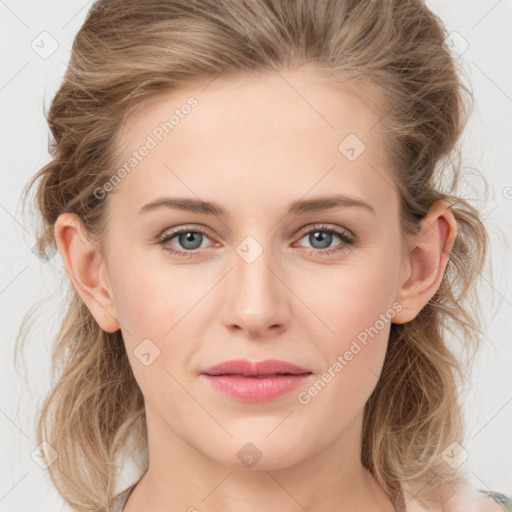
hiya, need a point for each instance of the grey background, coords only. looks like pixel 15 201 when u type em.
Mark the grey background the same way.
pixel 30 74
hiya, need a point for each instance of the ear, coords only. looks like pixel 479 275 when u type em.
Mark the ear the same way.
pixel 86 269
pixel 425 260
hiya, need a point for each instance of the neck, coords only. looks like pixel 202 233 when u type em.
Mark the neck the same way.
pixel 181 478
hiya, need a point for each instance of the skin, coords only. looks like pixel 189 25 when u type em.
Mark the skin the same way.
pixel 254 145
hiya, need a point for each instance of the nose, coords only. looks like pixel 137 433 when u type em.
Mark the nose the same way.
pixel 257 296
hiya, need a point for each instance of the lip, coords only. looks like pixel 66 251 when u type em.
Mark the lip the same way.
pixel 256 381
pixel 254 368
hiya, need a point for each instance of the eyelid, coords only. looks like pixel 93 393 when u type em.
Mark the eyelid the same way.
pixel 170 233
pixel 326 227
pixel 183 227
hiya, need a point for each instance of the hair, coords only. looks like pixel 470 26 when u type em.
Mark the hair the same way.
pixel 391 53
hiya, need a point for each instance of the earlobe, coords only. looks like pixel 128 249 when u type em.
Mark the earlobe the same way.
pixel 426 260
pixel 86 269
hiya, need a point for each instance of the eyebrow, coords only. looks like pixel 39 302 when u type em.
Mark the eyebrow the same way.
pixel 299 207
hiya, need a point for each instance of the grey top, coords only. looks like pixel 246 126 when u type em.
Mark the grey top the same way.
pixel 498 497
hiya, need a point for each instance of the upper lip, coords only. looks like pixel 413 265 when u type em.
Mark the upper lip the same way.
pixel 254 368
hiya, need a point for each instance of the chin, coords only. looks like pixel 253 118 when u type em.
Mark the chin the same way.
pixel 257 453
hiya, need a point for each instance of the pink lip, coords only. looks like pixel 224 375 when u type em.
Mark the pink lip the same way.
pixel 256 381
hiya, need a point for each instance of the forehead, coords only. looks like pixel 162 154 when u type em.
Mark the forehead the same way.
pixel 280 132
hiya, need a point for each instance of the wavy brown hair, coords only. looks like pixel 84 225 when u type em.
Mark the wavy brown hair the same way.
pixel 392 53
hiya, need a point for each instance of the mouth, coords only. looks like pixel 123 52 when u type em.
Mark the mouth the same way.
pixel 262 369
pixel 256 381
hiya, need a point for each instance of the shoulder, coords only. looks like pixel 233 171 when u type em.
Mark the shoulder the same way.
pixel 465 499
pixel 480 500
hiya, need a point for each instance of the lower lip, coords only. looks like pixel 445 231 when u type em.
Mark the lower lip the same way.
pixel 253 389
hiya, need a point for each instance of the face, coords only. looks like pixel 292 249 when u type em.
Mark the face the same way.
pixel 269 275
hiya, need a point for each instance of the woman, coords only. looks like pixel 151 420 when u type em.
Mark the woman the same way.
pixel 201 151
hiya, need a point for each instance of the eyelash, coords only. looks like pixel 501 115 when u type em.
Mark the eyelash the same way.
pixel 346 239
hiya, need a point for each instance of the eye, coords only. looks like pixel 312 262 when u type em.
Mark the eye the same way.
pixel 321 236
pixel 191 240
pixel 188 237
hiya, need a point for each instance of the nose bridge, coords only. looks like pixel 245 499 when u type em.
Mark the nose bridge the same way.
pixel 257 297
pixel 254 256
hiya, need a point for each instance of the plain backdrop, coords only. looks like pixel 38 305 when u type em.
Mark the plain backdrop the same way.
pixel 36 42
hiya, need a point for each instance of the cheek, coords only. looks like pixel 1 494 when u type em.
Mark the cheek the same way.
pixel 350 298
pixel 354 304
pixel 352 342
pixel 158 309
pixel 151 299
